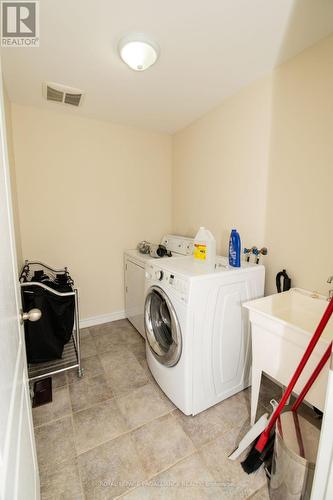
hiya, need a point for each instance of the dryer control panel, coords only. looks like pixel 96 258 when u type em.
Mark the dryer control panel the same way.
pixel 178 244
pixel 158 276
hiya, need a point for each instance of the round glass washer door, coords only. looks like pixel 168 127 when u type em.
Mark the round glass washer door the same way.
pixel 162 327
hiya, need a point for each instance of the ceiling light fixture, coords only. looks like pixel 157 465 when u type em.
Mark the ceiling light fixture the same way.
pixel 138 52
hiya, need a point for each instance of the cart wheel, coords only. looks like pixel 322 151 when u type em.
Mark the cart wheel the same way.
pixel 80 372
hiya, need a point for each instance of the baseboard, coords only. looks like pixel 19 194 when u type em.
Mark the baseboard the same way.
pixel 103 318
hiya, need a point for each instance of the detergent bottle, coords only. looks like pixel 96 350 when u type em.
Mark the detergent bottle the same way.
pixel 205 247
pixel 234 249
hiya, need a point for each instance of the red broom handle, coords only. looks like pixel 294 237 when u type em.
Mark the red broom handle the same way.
pixel 313 377
pixel 312 344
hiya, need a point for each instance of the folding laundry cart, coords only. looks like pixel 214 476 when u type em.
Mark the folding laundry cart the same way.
pixel 70 358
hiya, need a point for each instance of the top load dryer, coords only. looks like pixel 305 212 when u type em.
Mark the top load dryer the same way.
pixel 198 344
pixel 134 265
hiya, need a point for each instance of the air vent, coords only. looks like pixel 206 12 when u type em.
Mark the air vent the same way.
pixel 60 93
pixel 73 99
pixel 54 95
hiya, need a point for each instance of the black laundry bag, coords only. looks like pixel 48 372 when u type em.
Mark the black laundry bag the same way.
pixel 45 339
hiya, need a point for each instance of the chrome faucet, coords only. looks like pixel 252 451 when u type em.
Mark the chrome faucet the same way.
pixel 330 292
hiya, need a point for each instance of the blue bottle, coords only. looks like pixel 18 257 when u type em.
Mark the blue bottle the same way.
pixel 234 249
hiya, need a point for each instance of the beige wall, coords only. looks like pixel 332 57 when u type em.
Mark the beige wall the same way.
pixel 220 169
pixel 11 159
pixel 87 190
pixel 263 162
pixel 298 226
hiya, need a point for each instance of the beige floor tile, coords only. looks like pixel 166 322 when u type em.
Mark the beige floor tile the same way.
pixel 142 359
pixel 111 337
pixel 191 479
pixel 117 460
pixel 123 323
pixel 84 332
pixel 87 347
pixel 59 407
pixel 109 327
pixel 111 469
pixel 97 424
pixel 234 410
pixel 62 481
pixel 140 355
pixel 55 443
pixel 247 393
pixel 144 365
pixel 123 371
pixel 262 494
pixel 161 443
pixel 239 428
pixel 89 391
pixel 112 359
pixel 142 405
pixel 92 367
pixel 138 348
pixel 187 480
pixel 163 396
pixel 97 329
pixel 236 484
pixel 205 426
pixel 59 380
pixel 131 337
pixel 108 341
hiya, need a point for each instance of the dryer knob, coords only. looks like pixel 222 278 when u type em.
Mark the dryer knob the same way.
pixel 159 275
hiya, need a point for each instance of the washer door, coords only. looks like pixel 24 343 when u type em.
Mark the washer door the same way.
pixel 162 327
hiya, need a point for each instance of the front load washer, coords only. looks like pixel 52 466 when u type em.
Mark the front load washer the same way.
pixel 198 345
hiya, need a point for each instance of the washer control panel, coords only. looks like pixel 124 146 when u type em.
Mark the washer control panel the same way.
pixel 157 275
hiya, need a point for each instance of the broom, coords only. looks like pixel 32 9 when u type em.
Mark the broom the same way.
pixel 255 458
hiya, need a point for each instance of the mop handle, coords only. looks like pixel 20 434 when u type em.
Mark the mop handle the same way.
pixel 313 377
pixel 312 344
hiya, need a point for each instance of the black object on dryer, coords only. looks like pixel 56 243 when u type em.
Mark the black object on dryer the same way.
pixel 283 282
pixel 158 251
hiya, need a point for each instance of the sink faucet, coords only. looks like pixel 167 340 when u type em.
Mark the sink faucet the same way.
pixel 330 292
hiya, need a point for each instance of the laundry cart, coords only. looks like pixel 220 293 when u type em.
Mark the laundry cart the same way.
pixel 52 333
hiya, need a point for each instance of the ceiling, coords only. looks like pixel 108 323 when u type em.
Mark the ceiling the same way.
pixel 209 50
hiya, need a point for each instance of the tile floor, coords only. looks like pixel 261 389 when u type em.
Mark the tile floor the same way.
pixel 114 433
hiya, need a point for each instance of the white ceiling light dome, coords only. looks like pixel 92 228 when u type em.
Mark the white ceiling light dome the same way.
pixel 138 52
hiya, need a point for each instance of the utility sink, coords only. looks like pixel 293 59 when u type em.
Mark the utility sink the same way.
pixel 298 308
pixel 282 325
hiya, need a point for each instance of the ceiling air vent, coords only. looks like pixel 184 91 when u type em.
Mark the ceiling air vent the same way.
pixel 60 93
pixel 73 99
pixel 54 95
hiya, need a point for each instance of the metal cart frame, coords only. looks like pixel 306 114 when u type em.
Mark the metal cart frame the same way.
pixel 71 357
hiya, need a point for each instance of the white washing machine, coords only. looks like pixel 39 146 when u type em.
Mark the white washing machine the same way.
pixel 134 265
pixel 198 344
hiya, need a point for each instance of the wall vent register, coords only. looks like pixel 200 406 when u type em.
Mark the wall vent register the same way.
pixel 57 92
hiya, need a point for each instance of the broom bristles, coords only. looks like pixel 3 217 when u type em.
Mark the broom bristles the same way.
pixel 255 457
pixel 252 462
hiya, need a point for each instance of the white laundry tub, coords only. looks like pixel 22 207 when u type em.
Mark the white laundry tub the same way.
pixel 282 326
